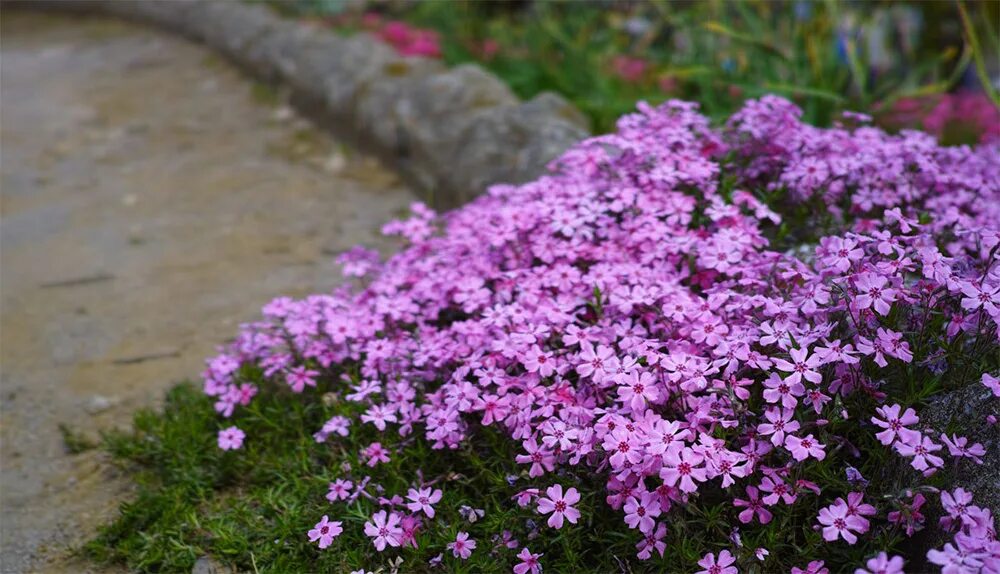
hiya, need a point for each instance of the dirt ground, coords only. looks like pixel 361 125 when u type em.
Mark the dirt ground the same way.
pixel 152 199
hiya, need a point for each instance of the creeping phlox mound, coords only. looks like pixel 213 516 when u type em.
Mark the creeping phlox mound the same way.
pixel 752 314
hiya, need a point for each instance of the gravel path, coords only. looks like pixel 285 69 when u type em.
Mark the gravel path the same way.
pixel 152 199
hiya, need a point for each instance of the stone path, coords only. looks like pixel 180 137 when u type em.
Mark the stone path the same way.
pixel 152 199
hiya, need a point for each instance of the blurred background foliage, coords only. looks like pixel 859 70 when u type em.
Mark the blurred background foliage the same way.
pixel 909 64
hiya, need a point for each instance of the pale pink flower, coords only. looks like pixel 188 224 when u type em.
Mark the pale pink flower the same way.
pixel 894 423
pixel 559 505
pixel 231 438
pixel 803 448
pixel 384 530
pixel 529 562
pixel 641 512
pixel 423 500
pixel 722 565
pixel 463 546
pixel 325 531
pixel 882 564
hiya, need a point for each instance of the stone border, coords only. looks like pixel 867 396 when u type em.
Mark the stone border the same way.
pixel 450 132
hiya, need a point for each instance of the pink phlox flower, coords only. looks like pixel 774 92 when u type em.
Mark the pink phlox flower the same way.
pixel 780 421
pixel 423 500
pixel 529 562
pixel 231 438
pixel 383 529
pixel 895 424
pixel 754 506
pixel 721 565
pixel 803 448
pixel 340 489
pixel 782 391
pixel 882 564
pixel 325 531
pixel 463 546
pixel 559 505
pixel 801 366
pixel 958 446
pixel 641 512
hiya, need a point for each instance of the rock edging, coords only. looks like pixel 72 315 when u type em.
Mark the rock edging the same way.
pixel 450 132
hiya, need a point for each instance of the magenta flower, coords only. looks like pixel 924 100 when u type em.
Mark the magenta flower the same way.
pixel 300 377
pixel 325 531
pixel 839 523
pixel 783 391
pixel 754 506
pixel 801 366
pixel 538 361
pixel 383 529
pixel 872 292
pixel 683 467
pixel 992 383
pixel 652 541
pixel 340 489
pixel 724 564
pixel 423 500
pixel 559 505
pixel 379 415
pixel 529 562
pixel 780 422
pixel 375 454
pixel 958 446
pixel 882 564
pixel 921 450
pixel 803 448
pixel 894 425
pixel 641 512
pixel 814 567
pixel 540 458
pixel 231 438
pixel 637 389
pixel 462 547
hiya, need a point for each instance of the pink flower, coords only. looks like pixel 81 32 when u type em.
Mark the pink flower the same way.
pixel 637 390
pixel 340 489
pixel 724 565
pixel 559 505
pixel 652 541
pixel 894 423
pixel 529 562
pixel 872 292
pixel 803 448
pixel 839 523
pixel 231 438
pixel 300 377
pixel 801 366
pixel 422 500
pixel 462 547
pixel 378 415
pixel 780 422
pixel 384 530
pixel 375 454
pixel 814 567
pixel 641 512
pixel 992 383
pixel 325 531
pixel 882 564
pixel 540 458
pixel 921 449
pixel 958 447
pixel 538 361
pixel 783 391
pixel 754 505
pixel 778 490
pixel 683 466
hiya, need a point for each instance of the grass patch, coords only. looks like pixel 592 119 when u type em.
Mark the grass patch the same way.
pixel 253 507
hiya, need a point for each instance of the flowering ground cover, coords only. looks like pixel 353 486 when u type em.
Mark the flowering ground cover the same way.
pixel 687 349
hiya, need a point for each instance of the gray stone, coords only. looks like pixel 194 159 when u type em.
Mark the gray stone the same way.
pixel 963 412
pixel 209 565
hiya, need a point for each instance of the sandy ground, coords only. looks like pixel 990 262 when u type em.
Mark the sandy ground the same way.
pixel 152 200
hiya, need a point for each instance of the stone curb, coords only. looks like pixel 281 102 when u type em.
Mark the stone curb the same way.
pixel 450 132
